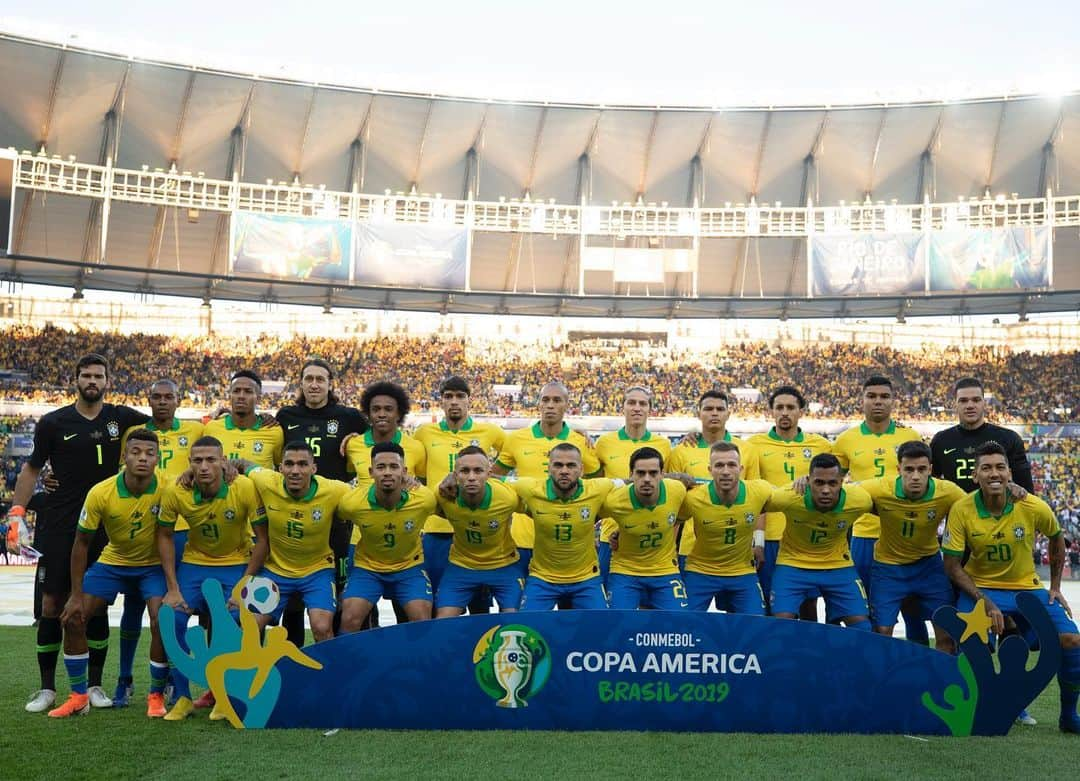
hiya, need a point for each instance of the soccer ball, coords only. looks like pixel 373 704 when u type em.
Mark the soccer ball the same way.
pixel 260 595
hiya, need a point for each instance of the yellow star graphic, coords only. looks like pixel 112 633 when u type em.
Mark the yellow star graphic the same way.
pixel 976 622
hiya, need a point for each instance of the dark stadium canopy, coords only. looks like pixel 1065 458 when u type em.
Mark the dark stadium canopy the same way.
pixel 96 106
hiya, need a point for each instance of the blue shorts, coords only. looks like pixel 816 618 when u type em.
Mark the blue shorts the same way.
pixel 460 586
pixel 862 556
pixel 402 587
pixel 436 555
pixel 766 570
pixel 603 555
pixel 661 592
pixel 1005 599
pixel 316 590
pixel 585 595
pixel 191 577
pixel 525 556
pixel 841 588
pixel 180 542
pixel 891 584
pixel 733 593
pixel 108 580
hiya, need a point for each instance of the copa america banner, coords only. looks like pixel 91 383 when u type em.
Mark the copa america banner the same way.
pixel 866 264
pixel 291 247
pixel 991 258
pixel 618 670
pixel 433 256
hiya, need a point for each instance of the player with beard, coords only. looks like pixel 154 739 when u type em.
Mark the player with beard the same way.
pixel 82 443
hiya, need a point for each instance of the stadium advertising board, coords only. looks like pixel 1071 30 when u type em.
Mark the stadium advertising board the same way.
pixel 867 264
pixel 433 256
pixel 291 247
pixel 1012 258
pixel 618 670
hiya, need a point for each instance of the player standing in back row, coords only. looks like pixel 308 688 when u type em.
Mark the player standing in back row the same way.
pixel 82 443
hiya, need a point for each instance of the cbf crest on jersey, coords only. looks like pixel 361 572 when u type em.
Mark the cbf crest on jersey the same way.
pixel 931 514
pixel 493 524
pixel 671 519
pixel 750 517
pixel 183 441
pixel 257 447
pixel 807 453
pixel 316 514
pixel 1018 532
pixel 331 427
pixel 230 514
pixel 585 513
pixel 113 428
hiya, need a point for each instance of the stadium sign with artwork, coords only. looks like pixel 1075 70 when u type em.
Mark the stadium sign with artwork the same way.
pixel 618 670
pixel 301 248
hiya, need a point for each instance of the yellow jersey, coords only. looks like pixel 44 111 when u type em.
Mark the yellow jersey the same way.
pixel 1001 546
pixel 565 549
pixel 723 543
pixel 129 519
pixel 220 524
pixel 257 444
pixel 909 526
pixel 865 456
pixel 814 539
pixel 482 538
pixel 389 539
pixel 358 456
pixel 694 461
pixel 781 462
pixel 613 450
pixel 299 528
pixel 441 445
pixel 646 534
pixel 174 450
pixel 525 452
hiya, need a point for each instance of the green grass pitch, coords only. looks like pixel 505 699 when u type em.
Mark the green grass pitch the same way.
pixel 124 744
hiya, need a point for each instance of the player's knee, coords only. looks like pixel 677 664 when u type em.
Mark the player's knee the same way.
pixel 884 630
pixel 50 606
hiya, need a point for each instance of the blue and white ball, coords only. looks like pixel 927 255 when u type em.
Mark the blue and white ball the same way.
pixel 260 595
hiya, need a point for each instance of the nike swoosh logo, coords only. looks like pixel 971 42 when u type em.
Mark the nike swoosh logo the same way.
pixel 766 455
pixel 69 436
pixel 950 450
pixel 292 427
pixel 857 453
pixel 976 534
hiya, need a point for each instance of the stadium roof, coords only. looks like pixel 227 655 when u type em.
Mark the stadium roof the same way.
pixel 94 106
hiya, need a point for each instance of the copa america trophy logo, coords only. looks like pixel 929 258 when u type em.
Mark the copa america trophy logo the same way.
pixel 512 664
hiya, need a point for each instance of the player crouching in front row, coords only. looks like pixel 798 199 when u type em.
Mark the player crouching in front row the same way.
pixel 127 506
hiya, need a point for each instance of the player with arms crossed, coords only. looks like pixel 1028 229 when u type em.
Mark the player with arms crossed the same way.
pixel 614 449
pixel 222 518
pixel 442 441
pixel 319 418
pixel 564 569
pixel 389 559
pixel 82 443
pixel 867 452
pixel 1000 533
pixel 784 454
pixel 644 567
pixel 693 457
pixel 126 507
pixel 300 510
pixel 525 453
pixel 729 543
pixel 483 553
pixel 814 558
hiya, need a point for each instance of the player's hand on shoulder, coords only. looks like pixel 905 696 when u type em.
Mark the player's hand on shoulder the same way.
pixel 409 482
pixel 448 489
pixel 345 442
pixel 186 479
pixel 233 468
pixel 220 412
pixel 799 486
pixel 689 438
pixel 267 420
pixel 1017 492
pixel 683 478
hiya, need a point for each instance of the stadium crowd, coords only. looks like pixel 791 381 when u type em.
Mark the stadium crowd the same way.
pixel 1026 387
